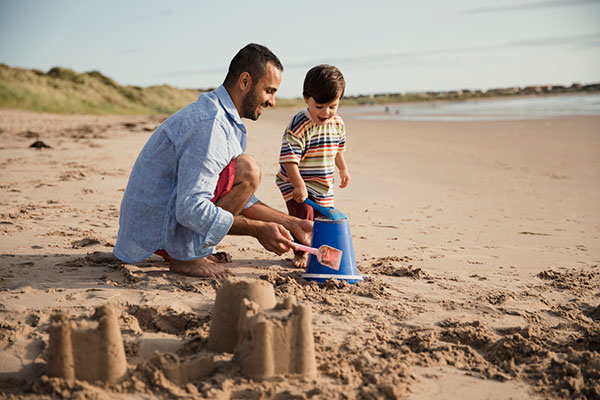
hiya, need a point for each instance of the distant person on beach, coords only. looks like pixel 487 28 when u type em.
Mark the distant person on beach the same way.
pixel 192 184
pixel 313 145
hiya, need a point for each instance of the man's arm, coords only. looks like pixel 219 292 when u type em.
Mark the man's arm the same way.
pixel 301 228
pixel 271 227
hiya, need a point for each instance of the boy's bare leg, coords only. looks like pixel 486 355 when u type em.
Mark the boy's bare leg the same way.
pixel 245 183
pixel 300 259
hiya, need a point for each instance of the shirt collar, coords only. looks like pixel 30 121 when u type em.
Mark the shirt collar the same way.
pixel 307 113
pixel 227 104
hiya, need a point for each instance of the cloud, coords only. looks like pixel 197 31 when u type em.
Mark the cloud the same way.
pixel 585 40
pixel 531 6
pixel 391 57
pixel 591 40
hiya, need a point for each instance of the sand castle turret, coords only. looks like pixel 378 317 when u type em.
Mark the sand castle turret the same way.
pixel 268 339
pixel 87 351
pixel 278 341
pixel 223 328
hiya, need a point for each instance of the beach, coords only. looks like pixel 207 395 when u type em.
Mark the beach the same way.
pixel 478 242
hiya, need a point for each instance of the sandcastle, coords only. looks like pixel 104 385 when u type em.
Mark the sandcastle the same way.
pixel 87 351
pixel 223 328
pixel 182 371
pixel 276 341
pixel 268 339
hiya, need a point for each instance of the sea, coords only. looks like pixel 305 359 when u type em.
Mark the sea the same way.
pixel 496 109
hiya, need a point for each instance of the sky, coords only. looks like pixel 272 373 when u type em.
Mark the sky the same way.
pixel 380 46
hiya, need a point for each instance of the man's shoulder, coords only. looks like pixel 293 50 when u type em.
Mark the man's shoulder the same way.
pixel 205 110
pixel 206 107
pixel 204 115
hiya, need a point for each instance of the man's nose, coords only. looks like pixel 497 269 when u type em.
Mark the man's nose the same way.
pixel 271 101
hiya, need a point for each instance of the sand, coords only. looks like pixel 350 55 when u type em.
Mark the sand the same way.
pixel 478 242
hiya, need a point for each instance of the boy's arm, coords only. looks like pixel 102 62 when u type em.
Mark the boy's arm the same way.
pixel 340 163
pixel 300 193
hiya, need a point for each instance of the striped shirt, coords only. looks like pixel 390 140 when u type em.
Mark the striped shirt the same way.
pixel 313 147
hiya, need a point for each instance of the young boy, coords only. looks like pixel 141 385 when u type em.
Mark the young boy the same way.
pixel 313 145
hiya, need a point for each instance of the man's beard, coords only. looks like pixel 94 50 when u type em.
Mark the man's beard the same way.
pixel 250 105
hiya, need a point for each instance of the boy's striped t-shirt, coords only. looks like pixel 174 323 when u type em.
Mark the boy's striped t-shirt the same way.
pixel 313 147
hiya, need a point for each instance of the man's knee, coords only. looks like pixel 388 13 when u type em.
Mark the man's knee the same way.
pixel 247 170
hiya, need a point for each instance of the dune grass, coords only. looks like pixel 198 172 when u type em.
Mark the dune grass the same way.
pixel 62 90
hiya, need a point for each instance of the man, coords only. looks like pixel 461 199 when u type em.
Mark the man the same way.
pixel 192 183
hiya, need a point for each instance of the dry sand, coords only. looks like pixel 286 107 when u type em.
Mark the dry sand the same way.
pixel 479 242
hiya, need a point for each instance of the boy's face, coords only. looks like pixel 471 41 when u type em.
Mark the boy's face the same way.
pixel 321 113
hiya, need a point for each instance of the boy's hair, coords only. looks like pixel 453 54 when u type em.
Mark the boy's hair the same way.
pixel 253 59
pixel 324 83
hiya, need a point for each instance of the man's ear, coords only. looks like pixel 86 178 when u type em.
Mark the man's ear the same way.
pixel 244 82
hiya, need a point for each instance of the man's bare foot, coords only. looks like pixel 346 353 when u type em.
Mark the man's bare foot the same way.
pixel 200 267
pixel 220 257
pixel 300 260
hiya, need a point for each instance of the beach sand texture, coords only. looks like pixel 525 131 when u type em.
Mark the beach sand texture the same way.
pixel 478 242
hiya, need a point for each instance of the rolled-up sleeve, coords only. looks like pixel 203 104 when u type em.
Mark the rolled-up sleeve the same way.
pixel 251 201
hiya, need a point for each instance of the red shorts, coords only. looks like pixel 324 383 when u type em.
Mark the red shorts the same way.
pixel 224 185
pixel 225 182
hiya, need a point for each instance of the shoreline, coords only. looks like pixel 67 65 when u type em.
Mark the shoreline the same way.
pixel 474 110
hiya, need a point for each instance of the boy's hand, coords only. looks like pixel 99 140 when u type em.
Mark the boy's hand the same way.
pixel 300 194
pixel 344 178
pixel 302 230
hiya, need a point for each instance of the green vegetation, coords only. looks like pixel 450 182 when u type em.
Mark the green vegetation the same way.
pixel 62 90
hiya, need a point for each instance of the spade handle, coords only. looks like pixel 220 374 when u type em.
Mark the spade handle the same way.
pixel 301 247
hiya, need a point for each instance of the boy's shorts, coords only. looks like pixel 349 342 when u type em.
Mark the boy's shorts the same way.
pixel 224 185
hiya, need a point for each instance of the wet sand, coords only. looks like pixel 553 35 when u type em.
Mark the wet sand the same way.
pixel 479 243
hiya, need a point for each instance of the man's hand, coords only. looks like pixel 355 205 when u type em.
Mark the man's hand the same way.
pixel 274 237
pixel 271 227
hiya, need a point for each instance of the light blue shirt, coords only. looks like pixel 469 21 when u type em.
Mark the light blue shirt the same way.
pixel 167 201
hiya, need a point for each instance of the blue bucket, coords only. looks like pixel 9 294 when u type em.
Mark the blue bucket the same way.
pixel 334 233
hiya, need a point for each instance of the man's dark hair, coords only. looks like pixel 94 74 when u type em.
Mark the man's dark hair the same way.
pixel 324 83
pixel 253 59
